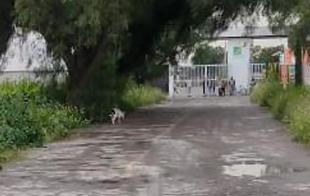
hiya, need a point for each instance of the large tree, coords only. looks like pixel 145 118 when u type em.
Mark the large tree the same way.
pixel 299 36
pixel 79 32
pixel 87 31
pixel 133 27
pixel 294 17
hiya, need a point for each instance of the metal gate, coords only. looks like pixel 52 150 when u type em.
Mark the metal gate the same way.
pixel 196 80
pixel 257 70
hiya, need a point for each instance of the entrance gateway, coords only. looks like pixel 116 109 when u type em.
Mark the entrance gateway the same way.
pixel 196 80
pixel 202 80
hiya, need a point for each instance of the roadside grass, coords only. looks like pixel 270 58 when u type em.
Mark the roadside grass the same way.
pixel 290 105
pixel 8 156
pixel 136 96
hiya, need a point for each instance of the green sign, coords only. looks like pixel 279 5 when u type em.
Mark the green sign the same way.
pixel 237 51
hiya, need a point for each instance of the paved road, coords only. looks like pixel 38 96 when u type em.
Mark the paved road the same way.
pixel 206 147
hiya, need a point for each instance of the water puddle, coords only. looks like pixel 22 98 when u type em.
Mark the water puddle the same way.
pixel 254 170
pixel 231 140
pixel 299 187
pixel 256 117
pixel 240 170
pixel 250 165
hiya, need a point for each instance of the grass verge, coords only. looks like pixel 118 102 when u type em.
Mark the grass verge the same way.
pixel 141 95
pixel 290 105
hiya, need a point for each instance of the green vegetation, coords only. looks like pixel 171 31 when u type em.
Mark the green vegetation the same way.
pixel 29 119
pixel 266 54
pixel 209 55
pixel 141 95
pixel 32 114
pixel 290 105
pixel 294 17
pixel 103 42
pixel 7 156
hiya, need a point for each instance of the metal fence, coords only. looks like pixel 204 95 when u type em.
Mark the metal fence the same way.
pixel 195 80
pixel 257 70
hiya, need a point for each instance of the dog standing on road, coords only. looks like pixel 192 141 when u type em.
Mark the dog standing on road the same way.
pixel 117 116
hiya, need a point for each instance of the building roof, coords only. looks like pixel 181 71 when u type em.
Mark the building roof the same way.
pixel 250 32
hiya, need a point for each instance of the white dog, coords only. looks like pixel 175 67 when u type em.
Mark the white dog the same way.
pixel 117 115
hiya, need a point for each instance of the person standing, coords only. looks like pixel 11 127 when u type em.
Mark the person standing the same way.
pixel 232 86
pixel 217 86
pixel 211 87
pixel 204 85
pixel 189 88
pixel 222 88
pixel 252 84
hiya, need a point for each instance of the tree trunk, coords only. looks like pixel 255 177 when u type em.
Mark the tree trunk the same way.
pixel 76 72
pixel 298 63
pixel 82 66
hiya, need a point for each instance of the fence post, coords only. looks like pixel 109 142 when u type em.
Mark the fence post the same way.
pixel 171 81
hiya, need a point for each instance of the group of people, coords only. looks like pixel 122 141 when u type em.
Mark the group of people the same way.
pixel 213 87
pixel 220 87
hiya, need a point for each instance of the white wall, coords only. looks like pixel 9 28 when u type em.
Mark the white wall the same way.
pixel 13 76
pixel 26 53
pixel 239 55
pixel 306 74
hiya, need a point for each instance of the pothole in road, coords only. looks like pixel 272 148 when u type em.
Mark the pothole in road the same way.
pixel 249 165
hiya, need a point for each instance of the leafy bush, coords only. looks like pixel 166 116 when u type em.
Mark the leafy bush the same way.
pixel 55 121
pixel 28 118
pixel 289 105
pixel 55 91
pixel 265 91
pixel 141 95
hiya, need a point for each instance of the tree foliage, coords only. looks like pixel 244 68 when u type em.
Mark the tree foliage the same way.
pixel 294 17
pixel 6 23
pixel 128 28
pixel 299 36
pixel 209 55
pixel 267 54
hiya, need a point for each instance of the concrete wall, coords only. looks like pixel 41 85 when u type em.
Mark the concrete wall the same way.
pixel 306 67
pixel 239 55
pixel 306 74
pixel 29 75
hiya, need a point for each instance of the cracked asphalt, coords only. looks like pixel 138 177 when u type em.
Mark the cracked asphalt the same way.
pixel 192 147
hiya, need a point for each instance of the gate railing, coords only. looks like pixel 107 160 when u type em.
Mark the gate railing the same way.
pixel 192 79
pixel 187 78
pixel 257 70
